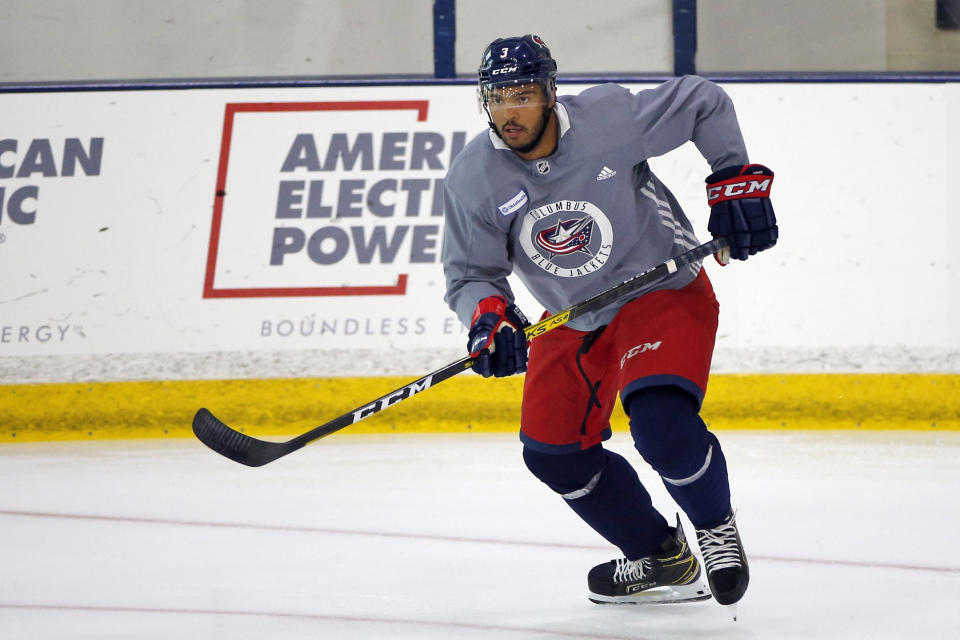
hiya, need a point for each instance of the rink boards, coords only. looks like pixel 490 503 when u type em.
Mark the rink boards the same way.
pixel 142 231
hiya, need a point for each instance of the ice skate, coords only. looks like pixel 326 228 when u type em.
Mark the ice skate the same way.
pixel 727 570
pixel 672 575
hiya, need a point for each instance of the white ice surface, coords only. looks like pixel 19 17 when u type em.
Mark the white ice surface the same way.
pixel 850 535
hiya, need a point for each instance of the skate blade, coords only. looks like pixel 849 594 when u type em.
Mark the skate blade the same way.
pixel 658 595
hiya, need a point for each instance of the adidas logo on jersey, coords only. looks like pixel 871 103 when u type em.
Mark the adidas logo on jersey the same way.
pixel 605 173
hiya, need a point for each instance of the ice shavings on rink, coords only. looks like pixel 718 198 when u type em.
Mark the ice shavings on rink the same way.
pixel 416 536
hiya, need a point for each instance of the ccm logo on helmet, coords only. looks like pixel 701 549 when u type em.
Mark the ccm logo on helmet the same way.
pixel 739 189
pixel 503 70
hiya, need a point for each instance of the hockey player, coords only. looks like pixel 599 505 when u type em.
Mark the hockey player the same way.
pixel 559 191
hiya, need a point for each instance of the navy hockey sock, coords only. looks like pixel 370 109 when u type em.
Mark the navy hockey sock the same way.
pixel 672 438
pixel 604 490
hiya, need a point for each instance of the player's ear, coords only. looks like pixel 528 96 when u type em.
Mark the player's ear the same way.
pixel 551 90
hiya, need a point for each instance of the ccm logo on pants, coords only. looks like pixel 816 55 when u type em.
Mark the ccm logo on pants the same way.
pixel 640 348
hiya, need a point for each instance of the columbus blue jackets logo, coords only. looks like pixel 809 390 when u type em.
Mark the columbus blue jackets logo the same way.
pixel 567 238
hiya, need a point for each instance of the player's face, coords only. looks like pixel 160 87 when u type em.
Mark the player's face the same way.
pixel 520 114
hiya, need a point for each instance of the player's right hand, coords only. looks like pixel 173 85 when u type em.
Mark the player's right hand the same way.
pixel 496 340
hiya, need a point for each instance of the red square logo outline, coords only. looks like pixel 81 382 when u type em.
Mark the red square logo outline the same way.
pixel 232 108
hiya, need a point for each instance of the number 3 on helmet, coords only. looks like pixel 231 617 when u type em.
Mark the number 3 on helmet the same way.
pixel 513 61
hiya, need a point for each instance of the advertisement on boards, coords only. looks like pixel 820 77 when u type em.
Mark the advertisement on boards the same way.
pixel 294 220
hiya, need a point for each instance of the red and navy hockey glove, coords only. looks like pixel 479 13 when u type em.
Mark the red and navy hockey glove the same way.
pixel 740 209
pixel 496 340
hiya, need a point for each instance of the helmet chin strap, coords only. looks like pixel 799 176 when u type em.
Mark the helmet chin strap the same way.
pixel 486 110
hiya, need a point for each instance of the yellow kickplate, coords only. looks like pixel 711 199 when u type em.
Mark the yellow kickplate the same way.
pixel 834 401
pixel 467 403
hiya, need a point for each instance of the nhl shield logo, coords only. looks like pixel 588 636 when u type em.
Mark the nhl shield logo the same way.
pixel 543 167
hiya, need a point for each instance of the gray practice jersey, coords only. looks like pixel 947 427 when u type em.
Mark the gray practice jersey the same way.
pixel 591 214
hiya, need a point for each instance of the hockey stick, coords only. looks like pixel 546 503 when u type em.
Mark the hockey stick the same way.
pixel 253 452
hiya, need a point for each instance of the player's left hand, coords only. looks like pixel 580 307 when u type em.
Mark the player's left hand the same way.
pixel 740 209
pixel 496 340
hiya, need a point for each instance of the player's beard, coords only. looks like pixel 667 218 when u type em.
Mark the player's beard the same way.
pixel 538 132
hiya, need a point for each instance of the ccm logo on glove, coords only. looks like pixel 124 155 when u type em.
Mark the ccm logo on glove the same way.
pixel 739 188
pixel 741 211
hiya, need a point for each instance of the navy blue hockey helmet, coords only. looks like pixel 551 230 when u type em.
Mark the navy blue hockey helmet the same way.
pixel 515 60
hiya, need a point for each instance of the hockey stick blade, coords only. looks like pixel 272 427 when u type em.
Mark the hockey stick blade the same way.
pixel 254 452
pixel 235 445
